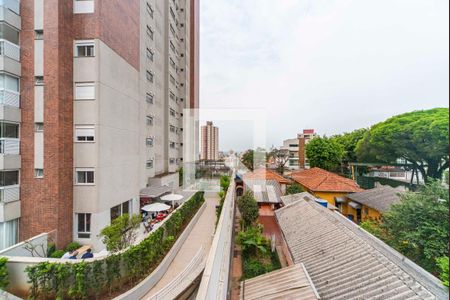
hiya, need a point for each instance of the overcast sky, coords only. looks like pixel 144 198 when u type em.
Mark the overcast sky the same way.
pixel 332 65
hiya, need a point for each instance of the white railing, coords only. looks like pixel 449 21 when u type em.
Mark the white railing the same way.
pixel 215 279
pixel 9 146
pixel 195 262
pixel 9 193
pixel 10 98
pixel 9 49
pixel 13 5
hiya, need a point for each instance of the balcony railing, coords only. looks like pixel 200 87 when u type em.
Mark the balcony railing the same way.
pixel 13 5
pixel 10 98
pixel 9 146
pixel 9 49
pixel 9 193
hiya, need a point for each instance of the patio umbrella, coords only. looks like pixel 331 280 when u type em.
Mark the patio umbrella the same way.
pixel 172 198
pixel 156 207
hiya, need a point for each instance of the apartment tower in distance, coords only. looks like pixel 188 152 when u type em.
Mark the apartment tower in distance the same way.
pixel 303 140
pixel 92 95
pixel 210 142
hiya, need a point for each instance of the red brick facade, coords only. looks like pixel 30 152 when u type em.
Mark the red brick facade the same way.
pixel 47 203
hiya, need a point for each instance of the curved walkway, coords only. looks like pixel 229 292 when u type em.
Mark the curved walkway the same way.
pixel 201 235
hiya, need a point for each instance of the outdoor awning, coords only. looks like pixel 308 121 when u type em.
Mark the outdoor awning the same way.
pixel 156 207
pixel 172 198
pixel 155 191
pixel 355 205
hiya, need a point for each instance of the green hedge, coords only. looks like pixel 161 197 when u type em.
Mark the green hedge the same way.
pixel 3 273
pixel 89 280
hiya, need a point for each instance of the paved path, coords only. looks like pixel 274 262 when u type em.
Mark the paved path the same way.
pixel 202 234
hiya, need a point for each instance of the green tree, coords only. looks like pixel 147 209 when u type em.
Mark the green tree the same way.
pixel 294 189
pixel 419 137
pixel 121 233
pixel 249 208
pixel 225 183
pixel 418 226
pixel 253 242
pixel 324 153
pixel 349 141
pixel 247 159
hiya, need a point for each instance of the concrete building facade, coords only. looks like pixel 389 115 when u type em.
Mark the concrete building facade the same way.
pixel 210 142
pixel 94 105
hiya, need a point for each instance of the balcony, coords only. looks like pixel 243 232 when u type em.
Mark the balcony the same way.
pixel 9 146
pixel 10 98
pixel 9 49
pixel 9 193
pixel 13 5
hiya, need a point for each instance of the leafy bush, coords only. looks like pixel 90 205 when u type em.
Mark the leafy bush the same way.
pixel 249 208
pixel 225 183
pixel 443 265
pixel 121 233
pixel 57 254
pixel 88 280
pixel 294 189
pixel 51 247
pixel 4 281
pixel 72 247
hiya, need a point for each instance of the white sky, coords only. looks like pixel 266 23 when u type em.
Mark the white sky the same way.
pixel 332 65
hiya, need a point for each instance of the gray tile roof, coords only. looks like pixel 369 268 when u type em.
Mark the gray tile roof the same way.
pixel 290 283
pixel 265 191
pixel 345 262
pixel 290 199
pixel 380 198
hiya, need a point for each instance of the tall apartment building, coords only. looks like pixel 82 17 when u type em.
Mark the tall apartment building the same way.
pixel 303 140
pixel 92 96
pixel 291 146
pixel 210 142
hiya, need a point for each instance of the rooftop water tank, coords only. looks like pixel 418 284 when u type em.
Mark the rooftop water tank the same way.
pixel 322 202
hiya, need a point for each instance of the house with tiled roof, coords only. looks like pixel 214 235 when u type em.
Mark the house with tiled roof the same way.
pixel 325 185
pixel 267 174
pixel 345 262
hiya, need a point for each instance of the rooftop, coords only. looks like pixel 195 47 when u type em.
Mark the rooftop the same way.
pixel 380 198
pixel 346 262
pixel 266 174
pixel 265 191
pixel 288 283
pixel 319 180
pixel 290 199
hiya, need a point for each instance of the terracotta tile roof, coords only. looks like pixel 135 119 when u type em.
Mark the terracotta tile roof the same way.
pixel 266 174
pixel 319 180
pixel 345 262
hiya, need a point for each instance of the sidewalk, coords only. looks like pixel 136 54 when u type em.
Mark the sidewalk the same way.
pixel 202 234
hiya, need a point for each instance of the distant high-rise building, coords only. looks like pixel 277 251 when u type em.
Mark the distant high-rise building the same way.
pixel 92 96
pixel 303 140
pixel 210 142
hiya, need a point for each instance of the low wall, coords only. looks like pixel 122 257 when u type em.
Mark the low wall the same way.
pixel 19 249
pixel 148 283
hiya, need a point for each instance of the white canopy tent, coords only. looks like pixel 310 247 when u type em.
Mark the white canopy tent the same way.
pixel 156 207
pixel 172 198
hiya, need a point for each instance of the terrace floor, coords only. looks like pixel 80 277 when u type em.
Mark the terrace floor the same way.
pixel 201 235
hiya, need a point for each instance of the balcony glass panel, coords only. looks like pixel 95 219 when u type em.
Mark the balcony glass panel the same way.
pixel 9 33
pixel 13 5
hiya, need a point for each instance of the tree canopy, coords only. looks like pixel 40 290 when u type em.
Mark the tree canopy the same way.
pixel 349 141
pixel 248 208
pixel 419 137
pixel 294 189
pixel 324 153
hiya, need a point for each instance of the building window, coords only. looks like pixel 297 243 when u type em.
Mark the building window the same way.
pixel 149 142
pixel 121 209
pixel 9 178
pixel 85 177
pixel 84 49
pixel 38 127
pixel 150 10
pixel 150 33
pixel 84 226
pixel 150 54
pixel 173 129
pixel 172 46
pixel 173 113
pixel 84 91
pixel 149 120
pixel 150 98
pixel 38 34
pixel 149 164
pixel 172 145
pixel 83 6
pixel 84 133
pixel 39 173
pixel 9 130
pixel 150 76
pixel 9 83
pixel 172 63
pixel 172 161
pixel 9 33
pixel 39 80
